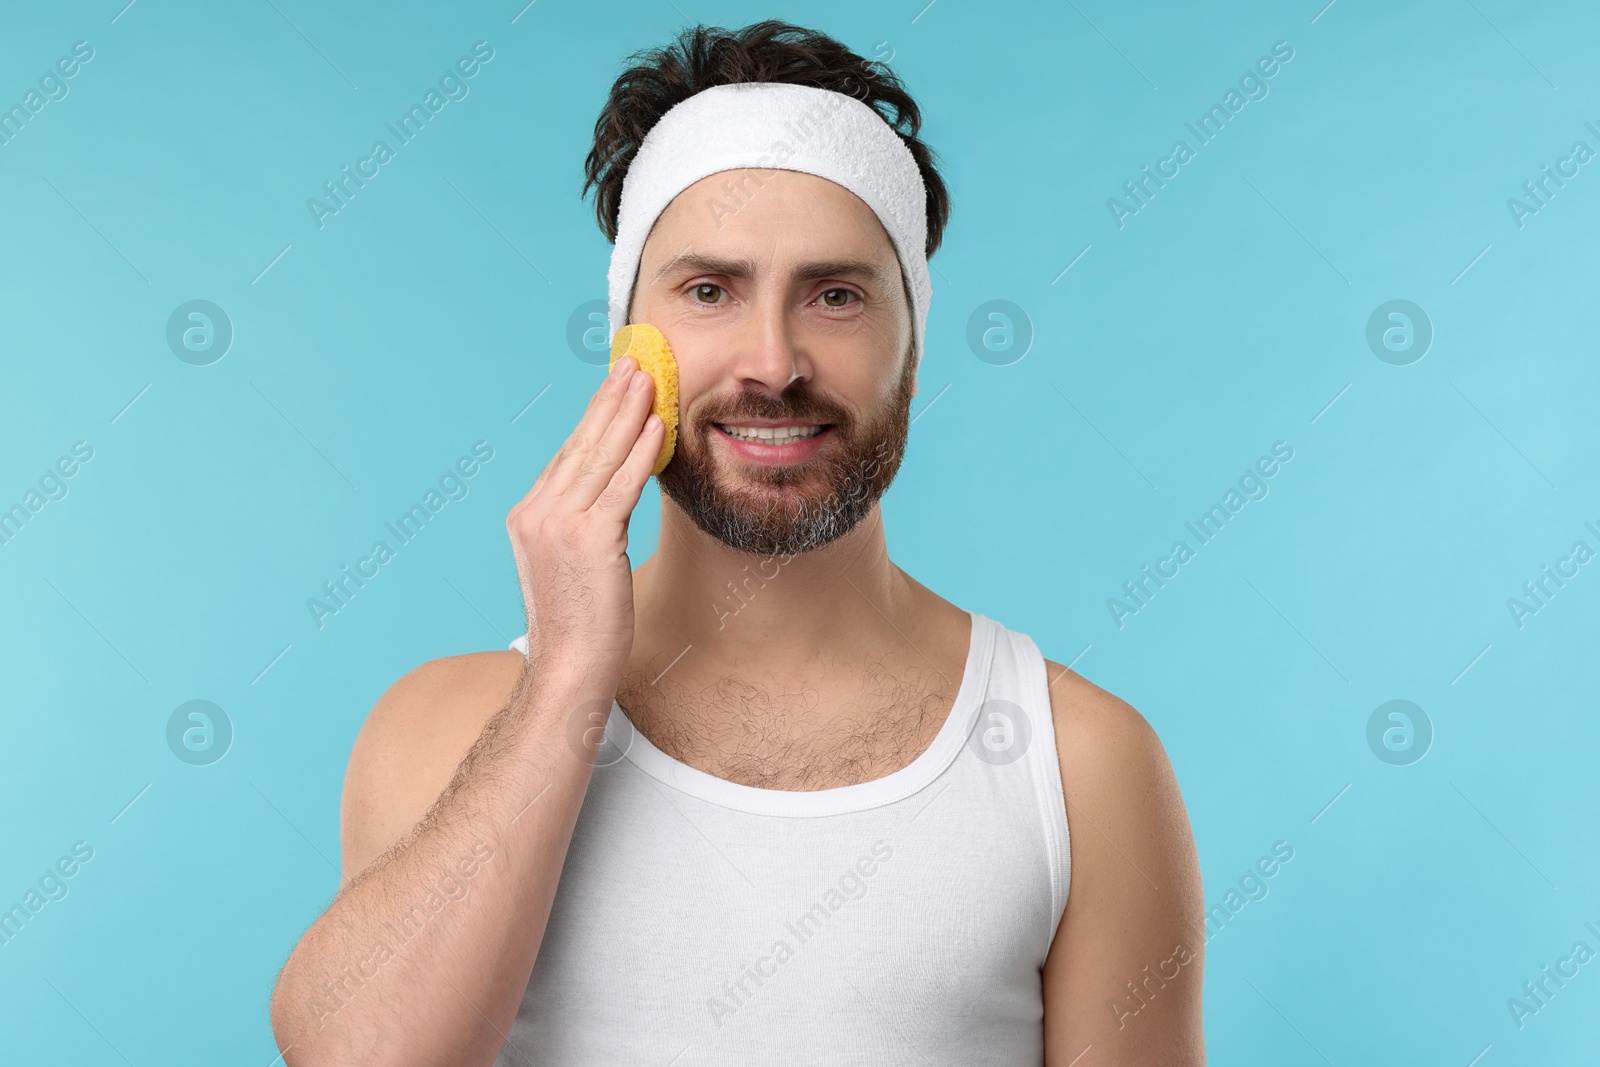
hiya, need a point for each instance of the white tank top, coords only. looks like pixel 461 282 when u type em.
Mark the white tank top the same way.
pixel 902 920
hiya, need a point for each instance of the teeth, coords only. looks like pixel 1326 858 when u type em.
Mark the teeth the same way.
pixel 772 435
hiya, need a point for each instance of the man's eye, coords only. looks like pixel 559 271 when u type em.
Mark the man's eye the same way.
pixel 700 290
pixel 837 292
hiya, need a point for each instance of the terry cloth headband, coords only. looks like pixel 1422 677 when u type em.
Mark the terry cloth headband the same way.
pixel 775 126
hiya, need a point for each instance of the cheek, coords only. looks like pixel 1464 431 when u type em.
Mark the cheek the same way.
pixel 694 383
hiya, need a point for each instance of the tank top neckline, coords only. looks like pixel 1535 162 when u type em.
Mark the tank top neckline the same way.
pixel 860 796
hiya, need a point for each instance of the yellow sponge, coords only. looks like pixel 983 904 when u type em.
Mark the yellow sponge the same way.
pixel 650 350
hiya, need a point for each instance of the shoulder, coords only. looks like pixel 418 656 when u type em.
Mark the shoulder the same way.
pixel 1115 772
pixel 432 699
pixel 1135 899
pixel 1106 747
pixel 1092 717
pixel 408 749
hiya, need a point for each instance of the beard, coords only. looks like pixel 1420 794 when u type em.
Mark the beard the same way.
pixel 773 511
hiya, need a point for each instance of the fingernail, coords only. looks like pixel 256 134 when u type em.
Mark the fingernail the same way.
pixel 624 365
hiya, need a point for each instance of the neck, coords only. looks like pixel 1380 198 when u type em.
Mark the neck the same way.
pixel 765 615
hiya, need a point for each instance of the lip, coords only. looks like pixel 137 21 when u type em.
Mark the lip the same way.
pixel 772 455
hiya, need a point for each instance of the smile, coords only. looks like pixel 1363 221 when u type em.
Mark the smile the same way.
pixel 771 435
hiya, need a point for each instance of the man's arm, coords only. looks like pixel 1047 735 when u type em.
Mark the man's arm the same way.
pixel 426 952
pixel 460 799
pixel 1122 980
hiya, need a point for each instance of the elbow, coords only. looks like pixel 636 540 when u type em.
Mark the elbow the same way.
pixel 285 1025
pixel 295 1023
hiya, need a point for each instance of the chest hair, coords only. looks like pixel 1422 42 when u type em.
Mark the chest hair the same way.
pixel 805 737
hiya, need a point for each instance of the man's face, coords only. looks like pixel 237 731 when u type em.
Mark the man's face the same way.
pixel 784 304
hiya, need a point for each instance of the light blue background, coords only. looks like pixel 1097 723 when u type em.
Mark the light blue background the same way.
pixel 1228 314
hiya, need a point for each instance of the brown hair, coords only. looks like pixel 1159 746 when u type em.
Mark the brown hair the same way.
pixel 768 51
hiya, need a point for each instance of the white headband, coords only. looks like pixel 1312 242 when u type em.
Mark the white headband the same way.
pixel 775 126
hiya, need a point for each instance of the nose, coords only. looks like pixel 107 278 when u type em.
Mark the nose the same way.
pixel 770 350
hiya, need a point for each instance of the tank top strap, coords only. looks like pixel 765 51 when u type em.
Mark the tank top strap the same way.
pixel 1015 723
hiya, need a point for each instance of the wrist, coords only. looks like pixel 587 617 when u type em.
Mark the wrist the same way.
pixel 569 679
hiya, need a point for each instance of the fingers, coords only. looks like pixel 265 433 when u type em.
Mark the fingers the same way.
pixel 617 441
pixel 559 473
pixel 621 494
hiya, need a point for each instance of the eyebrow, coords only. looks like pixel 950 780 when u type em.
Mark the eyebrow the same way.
pixel 743 267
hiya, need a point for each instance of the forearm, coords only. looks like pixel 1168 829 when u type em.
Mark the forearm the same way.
pixel 400 970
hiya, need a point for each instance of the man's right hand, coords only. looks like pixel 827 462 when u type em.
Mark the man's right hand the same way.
pixel 570 533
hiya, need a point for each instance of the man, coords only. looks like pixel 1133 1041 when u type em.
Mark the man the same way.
pixel 828 818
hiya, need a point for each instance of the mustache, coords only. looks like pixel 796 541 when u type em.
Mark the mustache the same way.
pixel 797 405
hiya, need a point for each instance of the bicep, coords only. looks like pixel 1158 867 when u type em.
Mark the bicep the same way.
pixel 1122 982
